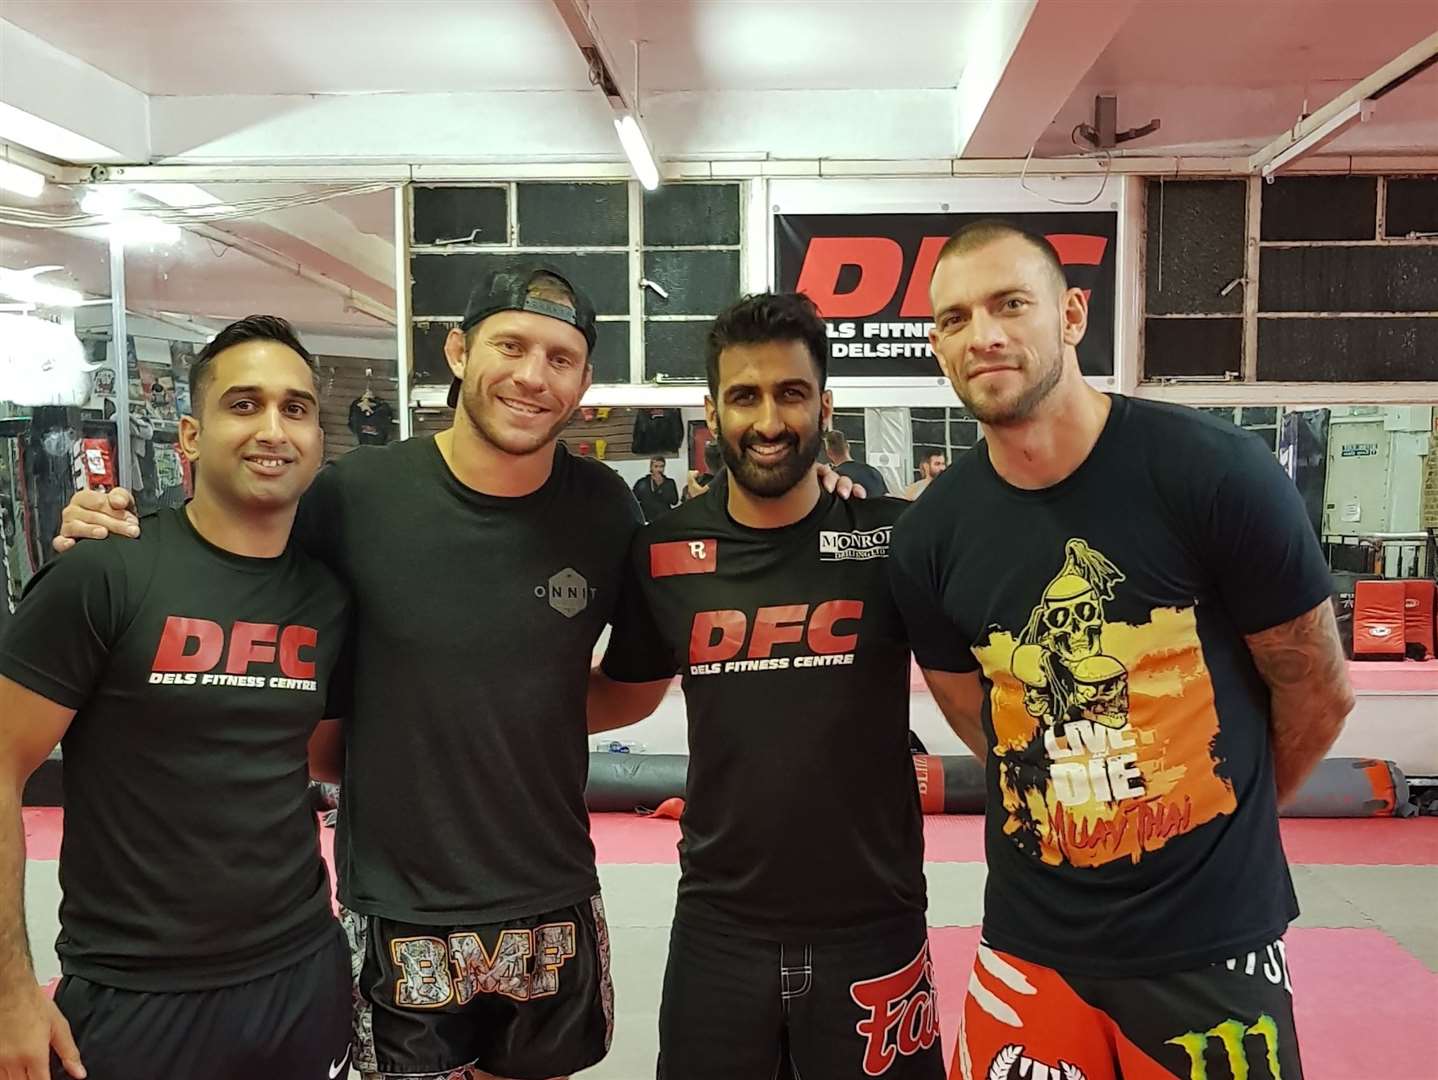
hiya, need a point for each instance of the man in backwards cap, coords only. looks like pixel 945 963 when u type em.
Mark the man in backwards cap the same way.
pixel 466 871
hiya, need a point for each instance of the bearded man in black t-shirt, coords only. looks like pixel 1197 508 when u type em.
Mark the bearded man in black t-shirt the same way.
pixel 1121 607
pixel 183 675
pixel 799 945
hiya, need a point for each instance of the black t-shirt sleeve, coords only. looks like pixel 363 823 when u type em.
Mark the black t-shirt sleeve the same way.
pixel 318 522
pixel 937 642
pixel 59 641
pixel 636 651
pixel 1261 545
pixel 339 699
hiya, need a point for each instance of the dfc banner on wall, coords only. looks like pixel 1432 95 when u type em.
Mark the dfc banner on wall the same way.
pixel 869 274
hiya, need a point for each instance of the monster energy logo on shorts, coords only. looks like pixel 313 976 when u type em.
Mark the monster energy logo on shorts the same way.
pixel 1231 1035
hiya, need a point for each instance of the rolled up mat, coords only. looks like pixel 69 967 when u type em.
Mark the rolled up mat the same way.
pixel 954 784
pixel 949 784
pixel 1352 787
pixel 623 783
pixel 627 782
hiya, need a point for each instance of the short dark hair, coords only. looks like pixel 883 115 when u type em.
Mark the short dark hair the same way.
pixel 250 328
pixel 659 458
pixel 934 454
pixel 836 442
pixel 982 233
pixel 766 317
pixel 713 456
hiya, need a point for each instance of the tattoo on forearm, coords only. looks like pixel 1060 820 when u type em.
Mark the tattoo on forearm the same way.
pixel 1303 654
pixel 1307 675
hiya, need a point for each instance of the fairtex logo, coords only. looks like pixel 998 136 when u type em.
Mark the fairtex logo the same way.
pixel 834 546
pixel 903 1013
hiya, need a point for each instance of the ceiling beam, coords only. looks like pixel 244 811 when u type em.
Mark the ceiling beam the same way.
pixel 1059 43
pixel 1351 106
pixel 988 47
pixel 64 108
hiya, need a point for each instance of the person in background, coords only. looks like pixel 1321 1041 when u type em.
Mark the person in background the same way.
pixel 700 482
pixel 934 463
pixel 656 493
pixel 836 446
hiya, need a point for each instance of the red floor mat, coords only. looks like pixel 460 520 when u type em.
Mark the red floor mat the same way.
pixel 1361 841
pixel 628 838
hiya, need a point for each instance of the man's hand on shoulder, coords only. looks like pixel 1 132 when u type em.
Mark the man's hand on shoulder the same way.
pixel 840 485
pixel 96 515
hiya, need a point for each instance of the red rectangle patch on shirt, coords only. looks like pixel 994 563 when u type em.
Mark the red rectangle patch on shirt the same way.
pixel 683 557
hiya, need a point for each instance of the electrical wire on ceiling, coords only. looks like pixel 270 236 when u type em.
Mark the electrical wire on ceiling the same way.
pixel 1107 173
pixel 28 218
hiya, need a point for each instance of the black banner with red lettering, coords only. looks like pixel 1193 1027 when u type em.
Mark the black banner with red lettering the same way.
pixel 869 274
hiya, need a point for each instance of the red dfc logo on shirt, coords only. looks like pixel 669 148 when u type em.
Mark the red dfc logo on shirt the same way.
pixel 198 652
pixel 829 631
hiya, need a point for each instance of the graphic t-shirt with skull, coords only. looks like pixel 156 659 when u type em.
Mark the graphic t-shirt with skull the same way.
pixel 1132 822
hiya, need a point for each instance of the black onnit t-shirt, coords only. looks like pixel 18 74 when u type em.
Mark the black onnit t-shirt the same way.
pixel 191 853
pixel 1132 820
pixel 475 619
pixel 801 819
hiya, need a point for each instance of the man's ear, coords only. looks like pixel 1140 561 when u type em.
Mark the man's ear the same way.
pixel 711 415
pixel 455 351
pixel 826 410
pixel 190 438
pixel 1075 317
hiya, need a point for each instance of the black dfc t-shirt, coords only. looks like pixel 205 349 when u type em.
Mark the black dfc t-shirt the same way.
pixel 1132 825
pixel 191 854
pixel 802 818
pixel 475 623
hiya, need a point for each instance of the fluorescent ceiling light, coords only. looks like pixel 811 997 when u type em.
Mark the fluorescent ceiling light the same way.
pixel 636 147
pixel 142 229
pixel 52 140
pixel 20 180
pixel 105 201
pixel 21 285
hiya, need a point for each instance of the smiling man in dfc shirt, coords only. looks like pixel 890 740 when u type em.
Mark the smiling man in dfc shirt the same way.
pixel 1122 606
pixel 184 674
pixel 799 947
